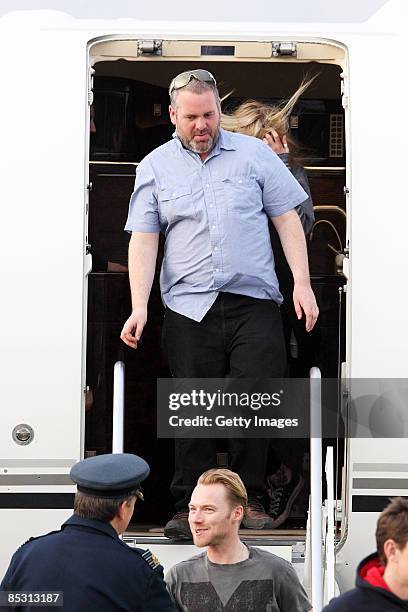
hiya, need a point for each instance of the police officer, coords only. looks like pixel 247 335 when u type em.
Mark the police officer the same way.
pixel 86 560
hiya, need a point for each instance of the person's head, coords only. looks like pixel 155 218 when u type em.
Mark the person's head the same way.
pixel 257 119
pixel 115 510
pixel 195 109
pixel 217 507
pixel 108 486
pixel 392 537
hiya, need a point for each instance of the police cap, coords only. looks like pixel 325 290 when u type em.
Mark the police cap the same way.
pixel 111 475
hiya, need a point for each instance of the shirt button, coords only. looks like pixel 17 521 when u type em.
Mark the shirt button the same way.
pixel 217 269
pixel 213 226
pixel 215 248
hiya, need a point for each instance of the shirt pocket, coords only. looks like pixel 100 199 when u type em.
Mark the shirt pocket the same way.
pixel 176 203
pixel 242 193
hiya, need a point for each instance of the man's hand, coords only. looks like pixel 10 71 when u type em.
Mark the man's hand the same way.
pixel 142 262
pixel 305 302
pixel 133 328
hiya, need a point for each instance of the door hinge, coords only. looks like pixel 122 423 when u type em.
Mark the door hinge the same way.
pixel 149 47
pixel 282 49
pixel 90 86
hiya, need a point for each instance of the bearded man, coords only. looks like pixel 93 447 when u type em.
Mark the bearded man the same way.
pixel 210 192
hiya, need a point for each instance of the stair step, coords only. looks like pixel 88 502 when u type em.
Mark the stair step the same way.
pixel 170 552
pixel 154 531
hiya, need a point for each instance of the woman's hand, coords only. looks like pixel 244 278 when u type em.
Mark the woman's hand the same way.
pixel 275 142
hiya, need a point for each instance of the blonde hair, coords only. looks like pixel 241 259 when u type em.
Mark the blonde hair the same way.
pixel 236 491
pixel 255 118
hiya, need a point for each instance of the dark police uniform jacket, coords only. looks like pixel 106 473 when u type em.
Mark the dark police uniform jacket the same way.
pixel 96 571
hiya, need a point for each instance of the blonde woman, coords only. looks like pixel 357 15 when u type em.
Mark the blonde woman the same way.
pixel 271 124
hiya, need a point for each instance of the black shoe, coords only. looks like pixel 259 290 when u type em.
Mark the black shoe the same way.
pixel 178 528
pixel 256 517
pixel 282 487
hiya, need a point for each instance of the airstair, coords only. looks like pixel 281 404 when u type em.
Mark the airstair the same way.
pixel 311 552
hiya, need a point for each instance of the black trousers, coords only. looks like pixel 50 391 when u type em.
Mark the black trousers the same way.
pixel 306 341
pixel 240 336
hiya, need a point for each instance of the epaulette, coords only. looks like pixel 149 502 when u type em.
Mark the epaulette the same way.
pixel 150 559
pixel 43 535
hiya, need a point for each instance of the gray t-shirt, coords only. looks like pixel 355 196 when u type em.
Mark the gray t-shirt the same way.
pixel 262 583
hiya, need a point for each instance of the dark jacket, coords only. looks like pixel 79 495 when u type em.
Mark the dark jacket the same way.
pixel 95 570
pixel 305 209
pixel 371 593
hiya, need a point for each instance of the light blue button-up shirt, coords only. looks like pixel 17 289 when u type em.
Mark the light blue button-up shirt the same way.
pixel 214 217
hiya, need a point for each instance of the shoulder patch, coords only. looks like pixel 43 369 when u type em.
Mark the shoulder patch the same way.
pixel 150 559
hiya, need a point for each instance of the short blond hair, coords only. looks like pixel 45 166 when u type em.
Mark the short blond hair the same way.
pixel 236 491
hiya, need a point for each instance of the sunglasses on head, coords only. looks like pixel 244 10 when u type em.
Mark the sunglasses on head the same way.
pixel 181 80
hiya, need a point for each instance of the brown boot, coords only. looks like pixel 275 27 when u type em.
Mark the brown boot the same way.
pixel 178 528
pixel 256 517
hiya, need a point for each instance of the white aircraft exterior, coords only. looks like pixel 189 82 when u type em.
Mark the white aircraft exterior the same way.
pixel 46 63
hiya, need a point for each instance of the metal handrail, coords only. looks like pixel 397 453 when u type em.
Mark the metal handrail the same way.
pixel 118 419
pixel 330 560
pixel 330 208
pixel 333 227
pixel 316 513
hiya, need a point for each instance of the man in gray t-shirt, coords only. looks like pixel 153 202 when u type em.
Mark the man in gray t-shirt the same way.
pixel 230 576
pixel 262 582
